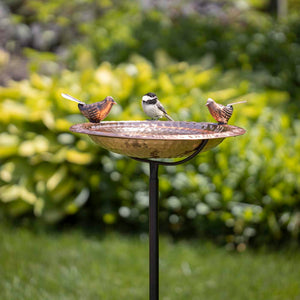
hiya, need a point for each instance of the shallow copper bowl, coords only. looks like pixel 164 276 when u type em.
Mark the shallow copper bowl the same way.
pixel 156 139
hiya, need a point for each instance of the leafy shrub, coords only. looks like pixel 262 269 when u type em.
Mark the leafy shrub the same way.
pixel 112 31
pixel 246 189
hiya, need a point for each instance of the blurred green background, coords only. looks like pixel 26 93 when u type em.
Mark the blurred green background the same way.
pixel 74 217
pixel 244 192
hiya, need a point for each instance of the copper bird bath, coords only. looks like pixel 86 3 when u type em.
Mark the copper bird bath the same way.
pixel 148 140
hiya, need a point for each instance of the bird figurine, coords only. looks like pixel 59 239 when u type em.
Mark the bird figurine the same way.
pixel 221 113
pixel 153 108
pixel 94 112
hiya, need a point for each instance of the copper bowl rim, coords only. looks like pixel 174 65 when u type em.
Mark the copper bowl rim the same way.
pixel 194 129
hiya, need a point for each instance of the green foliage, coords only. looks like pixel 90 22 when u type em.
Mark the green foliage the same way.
pixel 247 188
pixel 112 31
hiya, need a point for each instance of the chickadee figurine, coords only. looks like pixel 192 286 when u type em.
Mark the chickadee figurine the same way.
pixel 221 113
pixel 94 112
pixel 153 108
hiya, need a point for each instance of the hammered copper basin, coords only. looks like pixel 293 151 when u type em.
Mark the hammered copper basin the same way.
pixel 156 139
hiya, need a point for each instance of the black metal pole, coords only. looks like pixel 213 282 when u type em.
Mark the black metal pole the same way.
pixel 153 233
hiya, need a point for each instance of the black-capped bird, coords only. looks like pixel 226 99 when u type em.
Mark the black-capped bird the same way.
pixel 153 108
pixel 94 112
pixel 221 113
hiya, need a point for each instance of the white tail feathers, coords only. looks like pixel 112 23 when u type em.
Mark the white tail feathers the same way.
pixel 238 102
pixel 66 96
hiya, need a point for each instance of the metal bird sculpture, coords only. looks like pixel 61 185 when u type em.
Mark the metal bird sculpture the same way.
pixel 221 113
pixel 94 112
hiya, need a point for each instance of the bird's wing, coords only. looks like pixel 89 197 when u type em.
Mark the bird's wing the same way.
pixel 66 96
pixel 226 112
pixel 160 106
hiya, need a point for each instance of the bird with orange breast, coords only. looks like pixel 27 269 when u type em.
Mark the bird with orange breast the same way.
pixel 94 112
pixel 221 113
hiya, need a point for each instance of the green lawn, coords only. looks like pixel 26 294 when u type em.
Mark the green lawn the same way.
pixel 72 265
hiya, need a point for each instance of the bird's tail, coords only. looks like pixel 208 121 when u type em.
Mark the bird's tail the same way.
pixel 168 117
pixel 66 96
pixel 238 102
